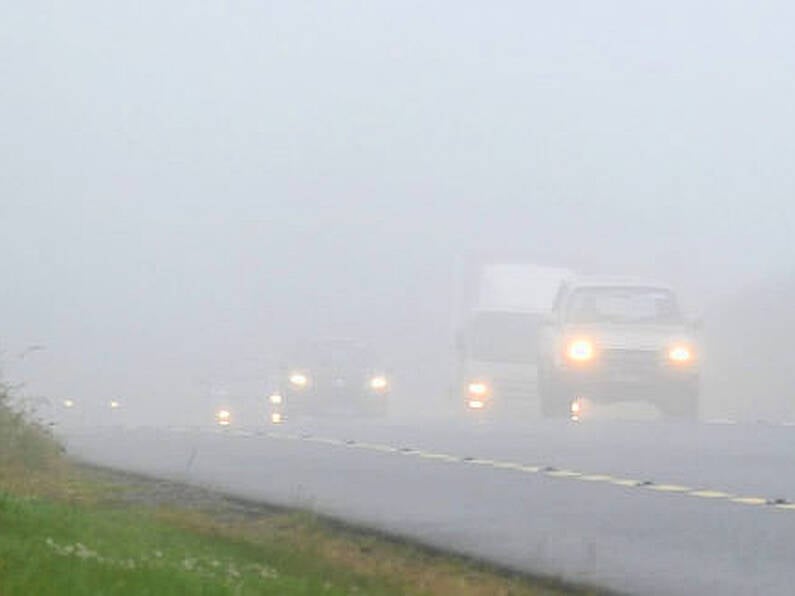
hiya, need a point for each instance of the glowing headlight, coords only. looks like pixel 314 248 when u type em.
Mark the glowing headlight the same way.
pixel 276 399
pixel 68 403
pixel 680 354
pixel 478 389
pixel 224 417
pixel 580 350
pixel 276 418
pixel 475 404
pixel 378 383
pixel 114 404
pixel 299 380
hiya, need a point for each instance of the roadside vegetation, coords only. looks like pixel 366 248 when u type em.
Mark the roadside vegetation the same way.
pixel 67 529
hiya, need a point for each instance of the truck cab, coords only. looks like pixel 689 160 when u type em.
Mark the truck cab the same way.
pixel 611 340
pixel 497 359
pixel 498 333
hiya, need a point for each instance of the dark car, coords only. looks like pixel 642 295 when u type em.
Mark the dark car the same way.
pixel 333 377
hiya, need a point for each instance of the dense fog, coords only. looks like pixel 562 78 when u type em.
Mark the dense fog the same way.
pixel 186 189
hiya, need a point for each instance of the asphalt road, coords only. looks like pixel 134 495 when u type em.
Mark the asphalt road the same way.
pixel 639 507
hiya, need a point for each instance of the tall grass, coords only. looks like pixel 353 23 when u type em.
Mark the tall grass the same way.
pixel 24 443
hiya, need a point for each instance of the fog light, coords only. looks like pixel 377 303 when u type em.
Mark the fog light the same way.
pixel 475 404
pixel 575 410
pixel 276 399
pixel 224 417
pixel 299 380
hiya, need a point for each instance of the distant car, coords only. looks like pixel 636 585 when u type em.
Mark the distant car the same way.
pixel 613 340
pixel 332 377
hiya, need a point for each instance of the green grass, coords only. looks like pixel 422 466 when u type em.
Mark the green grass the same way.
pixel 60 548
pixel 23 442
pixel 51 548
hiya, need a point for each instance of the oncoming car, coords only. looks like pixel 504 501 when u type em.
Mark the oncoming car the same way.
pixel 618 340
pixel 332 377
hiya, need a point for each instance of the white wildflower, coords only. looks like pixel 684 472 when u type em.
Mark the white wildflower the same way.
pixel 268 573
pixel 82 552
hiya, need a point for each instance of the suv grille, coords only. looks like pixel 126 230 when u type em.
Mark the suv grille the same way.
pixel 635 360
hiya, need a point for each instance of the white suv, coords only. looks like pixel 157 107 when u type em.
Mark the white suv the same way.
pixel 618 340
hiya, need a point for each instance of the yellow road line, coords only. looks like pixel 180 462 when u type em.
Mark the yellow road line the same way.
pixel 625 482
pixel 710 494
pixel 596 478
pixel 749 500
pixel 548 471
pixel 669 488
pixel 375 447
pixel 440 456
pixel 563 474
pixel 506 465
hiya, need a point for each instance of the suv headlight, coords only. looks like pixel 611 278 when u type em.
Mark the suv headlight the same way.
pixel 680 354
pixel 580 350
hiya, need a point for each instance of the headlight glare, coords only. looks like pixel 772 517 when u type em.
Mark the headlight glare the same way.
pixel 680 354
pixel 580 350
pixel 379 383
pixel 299 380
pixel 478 388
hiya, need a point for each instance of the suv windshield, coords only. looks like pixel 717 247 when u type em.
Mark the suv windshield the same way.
pixel 623 305
pixel 504 337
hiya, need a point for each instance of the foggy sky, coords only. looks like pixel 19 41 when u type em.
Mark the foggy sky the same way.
pixel 185 186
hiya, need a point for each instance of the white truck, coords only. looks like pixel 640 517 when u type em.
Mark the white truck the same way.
pixel 499 318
